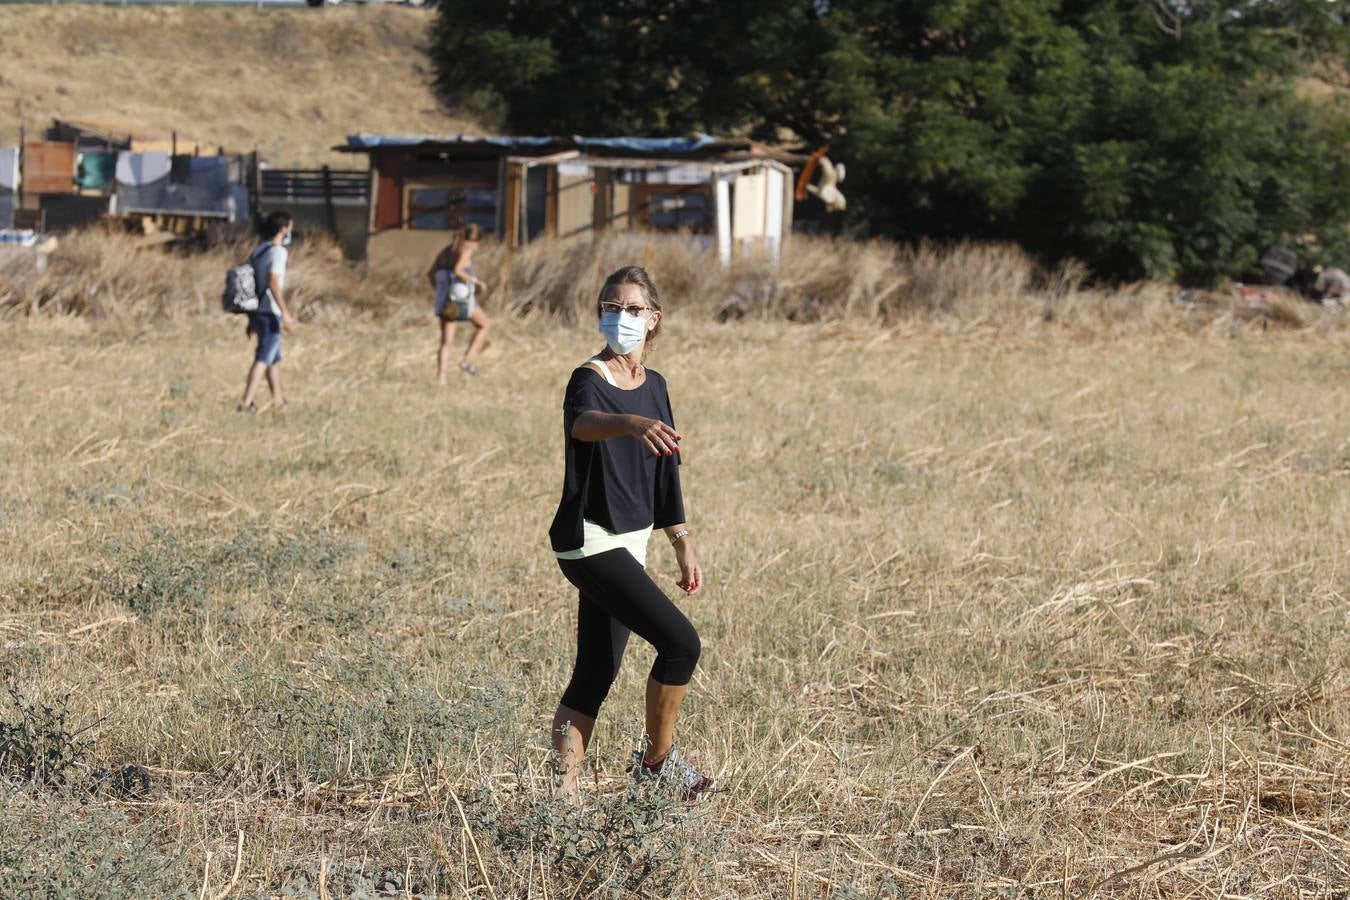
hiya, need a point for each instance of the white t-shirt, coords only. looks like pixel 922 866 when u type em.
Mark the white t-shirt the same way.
pixel 266 263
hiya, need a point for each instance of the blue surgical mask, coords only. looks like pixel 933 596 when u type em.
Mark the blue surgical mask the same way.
pixel 286 241
pixel 623 332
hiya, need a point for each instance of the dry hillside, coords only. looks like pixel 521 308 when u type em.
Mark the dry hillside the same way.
pixel 293 82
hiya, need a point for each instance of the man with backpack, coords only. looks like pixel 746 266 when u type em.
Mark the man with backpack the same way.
pixel 271 316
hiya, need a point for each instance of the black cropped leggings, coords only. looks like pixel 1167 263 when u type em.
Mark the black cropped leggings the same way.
pixel 618 596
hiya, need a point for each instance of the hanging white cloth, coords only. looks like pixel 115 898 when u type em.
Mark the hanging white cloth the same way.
pixel 142 168
pixel 9 168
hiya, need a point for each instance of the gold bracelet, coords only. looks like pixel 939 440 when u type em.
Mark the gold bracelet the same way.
pixel 682 533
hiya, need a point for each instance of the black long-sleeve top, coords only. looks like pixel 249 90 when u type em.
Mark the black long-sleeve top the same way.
pixel 617 483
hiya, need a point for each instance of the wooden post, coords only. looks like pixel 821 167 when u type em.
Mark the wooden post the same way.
pixel 521 233
pixel 23 164
pixel 511 231
pixel 601 203
pixel 499 214
pixel 523 204
pixel 255 188
pixel 551 200
pixel 328 201
pixel 372 204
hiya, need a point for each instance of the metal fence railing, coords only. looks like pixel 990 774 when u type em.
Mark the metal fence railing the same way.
pixel 315 185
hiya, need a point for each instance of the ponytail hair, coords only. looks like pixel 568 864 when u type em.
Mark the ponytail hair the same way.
pixel 467 233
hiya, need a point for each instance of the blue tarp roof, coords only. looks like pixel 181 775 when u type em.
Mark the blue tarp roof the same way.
pixel 357 143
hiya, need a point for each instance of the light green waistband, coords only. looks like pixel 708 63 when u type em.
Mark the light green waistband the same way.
pixel 596 540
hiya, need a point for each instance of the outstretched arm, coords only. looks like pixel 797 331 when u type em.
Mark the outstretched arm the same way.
pixel 657 436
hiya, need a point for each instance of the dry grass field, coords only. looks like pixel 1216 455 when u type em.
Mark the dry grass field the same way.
pixel 289 82
pixel 114 277
pixel 996 608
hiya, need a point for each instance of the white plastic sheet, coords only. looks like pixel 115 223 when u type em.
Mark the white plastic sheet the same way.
pixel 142 168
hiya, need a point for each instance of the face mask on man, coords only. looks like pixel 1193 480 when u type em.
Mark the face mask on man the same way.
pixel 623 332
pixel 286 241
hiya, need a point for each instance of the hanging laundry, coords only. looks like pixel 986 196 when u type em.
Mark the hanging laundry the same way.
pixel 157 182
pixel 9 168
pixel 95 170
pixel 142 179
pixel 142 168
pixel 180 165
pixel 9 185
pixel 211 172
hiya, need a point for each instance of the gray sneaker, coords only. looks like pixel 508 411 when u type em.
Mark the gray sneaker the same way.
pixel 674 774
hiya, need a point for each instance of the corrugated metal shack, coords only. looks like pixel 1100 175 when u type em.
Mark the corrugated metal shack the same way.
pixel 723 193
pixel 84 169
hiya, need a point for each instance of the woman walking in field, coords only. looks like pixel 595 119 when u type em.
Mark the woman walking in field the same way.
pixel 622 479
pixel 452 278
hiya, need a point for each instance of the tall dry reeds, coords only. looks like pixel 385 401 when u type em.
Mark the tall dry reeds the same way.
pixel 815 279
pixel 108 274
pixel 111 275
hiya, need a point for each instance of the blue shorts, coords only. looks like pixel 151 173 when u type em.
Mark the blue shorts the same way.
pixel 455 311
pixel 448 310
pixel 267 327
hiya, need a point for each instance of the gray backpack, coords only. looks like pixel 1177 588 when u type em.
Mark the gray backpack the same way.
pixel 241 288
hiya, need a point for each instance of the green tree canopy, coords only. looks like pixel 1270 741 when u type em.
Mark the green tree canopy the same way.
pixel 1146 137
